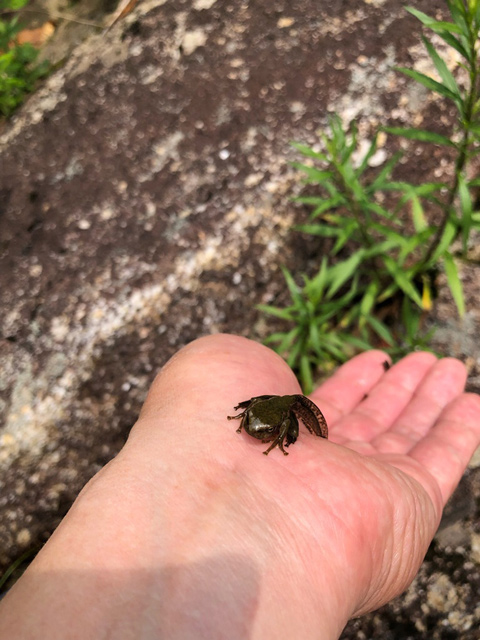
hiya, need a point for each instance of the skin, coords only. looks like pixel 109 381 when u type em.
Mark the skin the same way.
pixel 189 533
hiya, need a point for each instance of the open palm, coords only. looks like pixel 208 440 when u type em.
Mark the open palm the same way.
pixel 199 535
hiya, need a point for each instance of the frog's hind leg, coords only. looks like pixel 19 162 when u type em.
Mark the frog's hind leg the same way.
pixel 246 404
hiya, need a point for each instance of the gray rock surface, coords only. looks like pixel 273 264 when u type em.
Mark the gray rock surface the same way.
pixel 145 201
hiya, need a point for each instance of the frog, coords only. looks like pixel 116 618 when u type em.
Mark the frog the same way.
pixel 275 419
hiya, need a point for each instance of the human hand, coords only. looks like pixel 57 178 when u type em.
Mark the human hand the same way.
pixel 192 533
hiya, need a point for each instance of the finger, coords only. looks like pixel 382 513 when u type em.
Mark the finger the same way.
pixel 442 384
pixel 341 393
pixel 387 399
pixel 448 446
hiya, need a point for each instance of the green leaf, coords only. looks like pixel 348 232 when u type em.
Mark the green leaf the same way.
pixel 358 343
pixel 369 298
pixel 306 374
pixel 381 248
pixel 314 336
pixel 430 83
pixel 427 188
pixel 448 235
pixel 371 151
pixel 314 175
pixel 295 351
pixel 336 351
pixel 454 282
pixel 315 286
pixel 16 564
pixel 410 317
pixel 421 134
pixel 292 287
pixel 418 215
pixel 308 152
pixel 287 341
pixel 441 67
pixel 284 314
pixel 455 43
pixel 343 271
pixel 459 15
pixel 331 203
pixel 466 205
pixel 387 169
pixel 378 209
pixel 433 24
pixel 380 329
pixel 413 242
pixel 15 5
pixel 318 229
pixel 403 279
pixel 347 232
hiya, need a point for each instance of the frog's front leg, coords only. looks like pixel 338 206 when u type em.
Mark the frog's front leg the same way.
pixel 240 415
pixel 282 434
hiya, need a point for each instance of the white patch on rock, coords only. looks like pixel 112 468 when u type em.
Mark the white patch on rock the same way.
pixel 192 40
pixel 37 405
pixel 162 152
pixel 203 4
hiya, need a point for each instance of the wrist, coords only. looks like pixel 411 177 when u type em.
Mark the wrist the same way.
pixel 203 566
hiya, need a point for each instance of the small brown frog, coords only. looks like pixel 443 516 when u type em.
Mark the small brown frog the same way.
pixel 276 418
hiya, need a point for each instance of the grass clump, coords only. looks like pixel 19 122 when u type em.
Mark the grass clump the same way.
pixel 378 293
pixel 18 71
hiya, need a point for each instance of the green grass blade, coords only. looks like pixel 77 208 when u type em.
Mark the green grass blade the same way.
pixel 287 340
pixel 292 287
pixel 283 314
pixel 447 238
pixel 308 152
pixel 384 173
pixel 433 24
pixel 454 282
pixel 315 287
pixel 15 565
pixel 343 271
pixel 421 135
pixel 369 299
pixel 381 330
pixel 418 214
pixel 429 83
pixel 441 67
pixel 458 12
pixel 402 279
pixel 454 42
pixel 466 206
pixel 314 175
pixel 306 377
pixel 318 229
pixel 371 151
pixel 294 354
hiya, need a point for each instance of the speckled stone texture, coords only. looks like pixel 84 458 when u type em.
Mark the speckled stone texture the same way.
pixel 145 200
